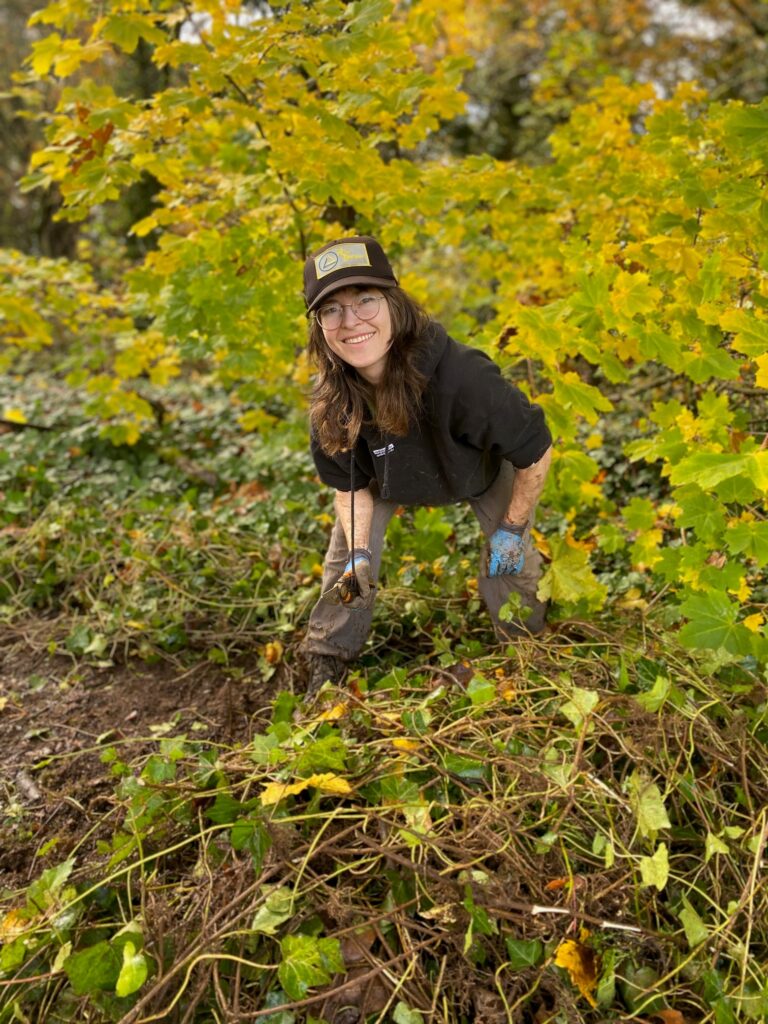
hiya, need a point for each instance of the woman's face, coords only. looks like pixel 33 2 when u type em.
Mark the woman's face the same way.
pixel 362 343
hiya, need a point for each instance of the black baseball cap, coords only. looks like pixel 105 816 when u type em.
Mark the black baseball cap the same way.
pixel 358 259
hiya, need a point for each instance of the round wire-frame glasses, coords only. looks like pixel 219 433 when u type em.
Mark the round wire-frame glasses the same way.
pixel 331 315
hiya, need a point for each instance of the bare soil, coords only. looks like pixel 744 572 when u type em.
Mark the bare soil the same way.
pixel 58 715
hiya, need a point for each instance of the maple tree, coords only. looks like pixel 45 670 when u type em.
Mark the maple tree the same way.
pixel 634 251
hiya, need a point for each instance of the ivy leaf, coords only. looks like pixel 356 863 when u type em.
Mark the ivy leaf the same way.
pixel 580 706
pixel 307 962
pixel 480 690
pixel 696 931
pixel 714 845
pixel 403 1014
pixel 655 870
pixel 250 834
pixel 326 754
pixel 648 806
pixel 523 953
pixel 133 972
pixel 276 910
pixel 42 893
pixel 95 969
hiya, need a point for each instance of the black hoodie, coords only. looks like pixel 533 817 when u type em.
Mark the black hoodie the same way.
pixel 471 419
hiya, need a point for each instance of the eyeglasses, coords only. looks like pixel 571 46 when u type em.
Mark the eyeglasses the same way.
pixel 331 315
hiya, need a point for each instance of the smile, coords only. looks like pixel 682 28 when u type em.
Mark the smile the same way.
pixel 359 338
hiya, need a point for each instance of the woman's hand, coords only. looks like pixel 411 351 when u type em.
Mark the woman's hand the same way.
pixel 507 550
pixel 355 589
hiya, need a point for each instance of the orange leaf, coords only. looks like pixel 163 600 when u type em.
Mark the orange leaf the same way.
pixel 556 883
pixel 670 1016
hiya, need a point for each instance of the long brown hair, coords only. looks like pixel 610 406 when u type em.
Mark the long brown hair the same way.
pixel 342 400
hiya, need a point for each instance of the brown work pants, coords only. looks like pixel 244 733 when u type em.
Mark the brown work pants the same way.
pixel 337 630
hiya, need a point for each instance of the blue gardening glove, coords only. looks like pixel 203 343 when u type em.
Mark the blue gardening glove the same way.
pixel 507 556
pixel 356 591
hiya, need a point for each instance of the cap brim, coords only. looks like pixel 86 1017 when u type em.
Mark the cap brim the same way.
pixel 334 286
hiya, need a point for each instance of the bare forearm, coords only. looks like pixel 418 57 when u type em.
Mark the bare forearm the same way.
pixel 363 516
pixel 527 487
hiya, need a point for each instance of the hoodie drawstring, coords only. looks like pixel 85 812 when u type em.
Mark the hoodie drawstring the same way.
pixel 352 517
pixel 385 482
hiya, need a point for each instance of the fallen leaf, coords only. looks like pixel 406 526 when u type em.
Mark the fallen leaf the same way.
pixel 13 925
pixel 273 652
pixel 670 1016
pixel 580 963
pixel 403 743
pixel 327 782
pixel 556 883
pixel 332 714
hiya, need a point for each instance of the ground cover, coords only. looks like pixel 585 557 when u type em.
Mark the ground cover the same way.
pixel 570 829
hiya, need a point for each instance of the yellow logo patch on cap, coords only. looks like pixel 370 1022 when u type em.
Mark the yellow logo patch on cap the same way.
pixel 348 254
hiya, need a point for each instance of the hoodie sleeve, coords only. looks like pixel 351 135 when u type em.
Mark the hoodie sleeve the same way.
pixel 336 470
pixel 491 414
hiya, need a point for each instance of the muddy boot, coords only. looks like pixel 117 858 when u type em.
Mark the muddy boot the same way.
pixel 323 668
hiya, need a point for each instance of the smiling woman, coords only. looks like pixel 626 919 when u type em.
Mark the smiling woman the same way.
pixel 358 328
pixel 404 415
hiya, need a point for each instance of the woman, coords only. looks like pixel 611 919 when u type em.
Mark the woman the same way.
pixel 404 415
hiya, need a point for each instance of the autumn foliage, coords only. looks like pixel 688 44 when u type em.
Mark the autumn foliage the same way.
pixel 628 265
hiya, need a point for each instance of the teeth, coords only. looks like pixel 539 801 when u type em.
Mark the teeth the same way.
pixel 358 340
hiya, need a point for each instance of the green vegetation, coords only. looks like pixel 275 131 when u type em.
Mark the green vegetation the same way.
pixel 438 836
pixel 571 829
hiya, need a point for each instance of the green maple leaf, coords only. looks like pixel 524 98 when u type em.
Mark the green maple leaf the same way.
pixel 713 624
pixel 569 578
pixel 750 539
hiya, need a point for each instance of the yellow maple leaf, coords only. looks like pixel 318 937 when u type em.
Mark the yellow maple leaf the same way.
pixel 742 592
pixel 14 416
pixel 754 622
pixel 761 377
pixel 327 782
pixel 13 925
pixel 331 714
pixel 579 961
pixel 403 743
